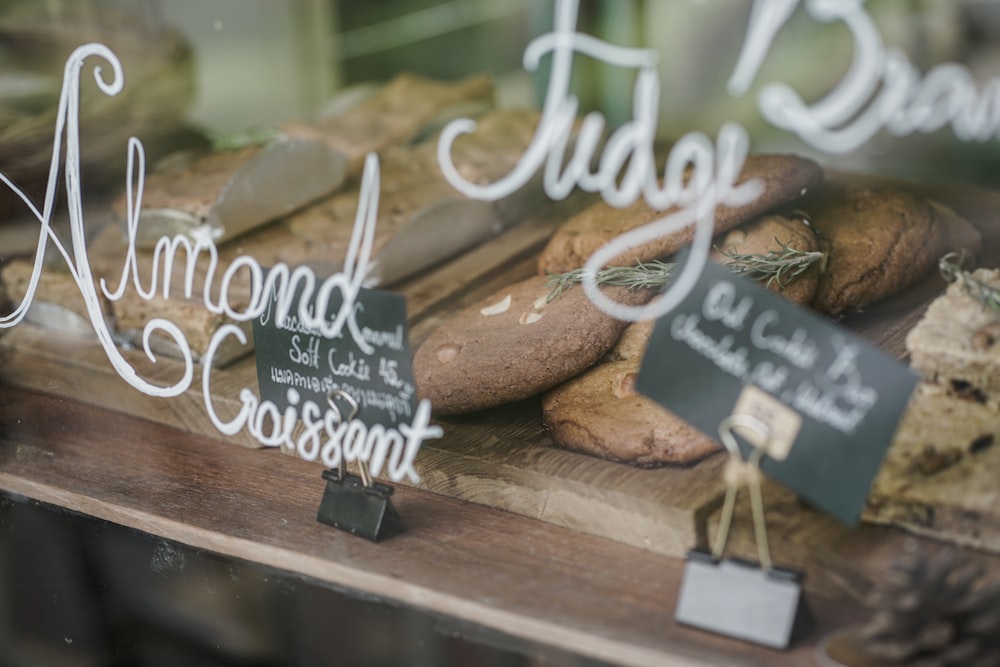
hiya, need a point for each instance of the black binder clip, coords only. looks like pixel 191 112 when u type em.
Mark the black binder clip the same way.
pixel 359 508
pixel 356 503
pixel 756 603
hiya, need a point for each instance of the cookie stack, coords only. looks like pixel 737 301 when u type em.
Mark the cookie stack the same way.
pixel 520 341
pixel 873 242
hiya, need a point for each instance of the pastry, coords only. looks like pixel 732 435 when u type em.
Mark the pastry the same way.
pixel 940 473
pixel 233 191
pixel 939 477
pixel 56 304
pixel 957 342
pixel 514 344
pixel 236 191
pixel 784 178
pixel 421 220
pixel 396 113
pixel 131 311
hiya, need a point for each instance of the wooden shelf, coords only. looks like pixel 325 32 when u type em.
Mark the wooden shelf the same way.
pixel 161 467
pixel 531 580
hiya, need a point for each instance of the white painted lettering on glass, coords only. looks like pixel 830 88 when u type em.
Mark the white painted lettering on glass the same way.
pixel 626 169
pixel 313 303
pixel 881 89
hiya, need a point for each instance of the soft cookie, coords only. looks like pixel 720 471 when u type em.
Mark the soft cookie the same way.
pixel 770 236
pixel 515 344
pixel 599 413
pixel 880 241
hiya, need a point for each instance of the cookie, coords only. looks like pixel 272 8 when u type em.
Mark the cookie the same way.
pixel 513 345
pixel 599 413
pixel 879 241
pixel 774 233
pixel 979 206
pixel 633 341
pixel 784 177
pixel 957 342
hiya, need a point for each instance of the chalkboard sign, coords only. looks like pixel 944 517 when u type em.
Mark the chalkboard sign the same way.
pixel 831 401
pixel 291 356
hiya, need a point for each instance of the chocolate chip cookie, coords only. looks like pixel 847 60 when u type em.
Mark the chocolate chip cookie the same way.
pixel 600 413
pixel 880 241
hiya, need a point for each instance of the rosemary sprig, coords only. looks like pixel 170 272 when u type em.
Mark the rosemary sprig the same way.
pixel 642 275
pixel 780 266
pixel 775 266
pixel 951 270
pixel 237 140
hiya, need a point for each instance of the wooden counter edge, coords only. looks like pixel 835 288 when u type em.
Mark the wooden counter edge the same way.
pixel 626 619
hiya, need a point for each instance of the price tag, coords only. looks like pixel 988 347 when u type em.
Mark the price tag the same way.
pixel 361 379
pixel 830 400
pixel 380 380
pixel 782 422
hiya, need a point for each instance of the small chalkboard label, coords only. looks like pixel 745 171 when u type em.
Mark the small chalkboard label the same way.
pixel 381 382
pixel 357 397
pixel 831 401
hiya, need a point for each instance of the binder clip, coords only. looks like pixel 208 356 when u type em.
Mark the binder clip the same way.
pixel 356 503
pixel 756 603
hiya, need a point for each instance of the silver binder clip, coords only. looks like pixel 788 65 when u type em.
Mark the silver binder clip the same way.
pixel 753 602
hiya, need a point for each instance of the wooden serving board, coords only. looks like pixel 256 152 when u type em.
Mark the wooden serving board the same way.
pixel 501 458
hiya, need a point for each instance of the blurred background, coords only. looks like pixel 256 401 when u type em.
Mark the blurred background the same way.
pixel 78 592
pixel 225 66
